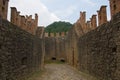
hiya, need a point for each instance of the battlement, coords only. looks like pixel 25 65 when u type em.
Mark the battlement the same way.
pixel 24 22
pixel 83 20
pixel 61 34
pixel 4 8
pixel 92 23
pixel 102 15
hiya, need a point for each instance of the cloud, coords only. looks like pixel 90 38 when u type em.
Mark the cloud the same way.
pixel 89 2
pixel 56 10
pixel 30 7
pixel 66 12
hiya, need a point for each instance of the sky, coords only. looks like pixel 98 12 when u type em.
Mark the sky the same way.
pixel 58 10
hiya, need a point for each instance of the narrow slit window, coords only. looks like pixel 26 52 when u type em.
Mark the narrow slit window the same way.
pixel 114 7
pixel 3 2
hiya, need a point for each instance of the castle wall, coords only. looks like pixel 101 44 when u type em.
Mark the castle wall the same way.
pixel 99 51
pixel 71 47
pixel 50 47
pixel 24 22
pixel 4 8
pixel 21 53
pixel 55 48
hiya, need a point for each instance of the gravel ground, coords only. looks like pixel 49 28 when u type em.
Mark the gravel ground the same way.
pixel 60 72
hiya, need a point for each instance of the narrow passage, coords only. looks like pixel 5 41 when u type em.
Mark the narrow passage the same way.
pixel 60 72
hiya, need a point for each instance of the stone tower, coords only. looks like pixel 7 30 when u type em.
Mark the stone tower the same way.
pixel 114 6
pixel 102 15
pixel 4 8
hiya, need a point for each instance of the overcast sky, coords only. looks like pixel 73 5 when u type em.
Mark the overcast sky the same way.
pixel 58 10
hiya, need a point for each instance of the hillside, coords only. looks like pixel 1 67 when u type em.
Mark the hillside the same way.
pixel 58 27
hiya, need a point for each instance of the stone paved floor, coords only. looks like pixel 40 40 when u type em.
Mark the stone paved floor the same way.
pixel 60 72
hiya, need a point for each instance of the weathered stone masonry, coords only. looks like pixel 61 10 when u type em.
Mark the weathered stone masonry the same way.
pixel 99 51
pixel 55 48
pixel 21 53
pixel 4 8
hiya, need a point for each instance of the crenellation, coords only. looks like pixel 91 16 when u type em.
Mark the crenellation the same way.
pixel 102 15
pixel 36 19
pixel 93 22
pixel 88 25
pixel 46 35
pixel 18 19
pixel 62 34
pixel 13 15
pixel 52 35
pixel 24 22
pixel 4 8
pixel 57 34
pixel 83 20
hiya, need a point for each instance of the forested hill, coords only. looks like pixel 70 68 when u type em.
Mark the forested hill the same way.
pixel 58 27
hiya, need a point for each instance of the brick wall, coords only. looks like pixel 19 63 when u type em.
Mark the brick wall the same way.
pixel 21 53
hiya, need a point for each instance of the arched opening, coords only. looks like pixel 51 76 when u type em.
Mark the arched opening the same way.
pixel 3 9
pixel 0 46
pixel 114 49
pixel 0 67
pixel 53 58
pixel 62 60
pixel 24 61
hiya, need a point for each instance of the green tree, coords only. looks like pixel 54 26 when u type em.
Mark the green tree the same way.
pixel 58 27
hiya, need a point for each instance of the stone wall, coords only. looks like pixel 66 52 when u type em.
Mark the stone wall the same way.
pixel 49 48
pixel 55 48
pixel 99 51
pixel 4 8
pixel 21 53
pixel 26 23
pixel 71 41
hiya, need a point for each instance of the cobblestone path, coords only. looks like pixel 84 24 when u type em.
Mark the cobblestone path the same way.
pixel 60 72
